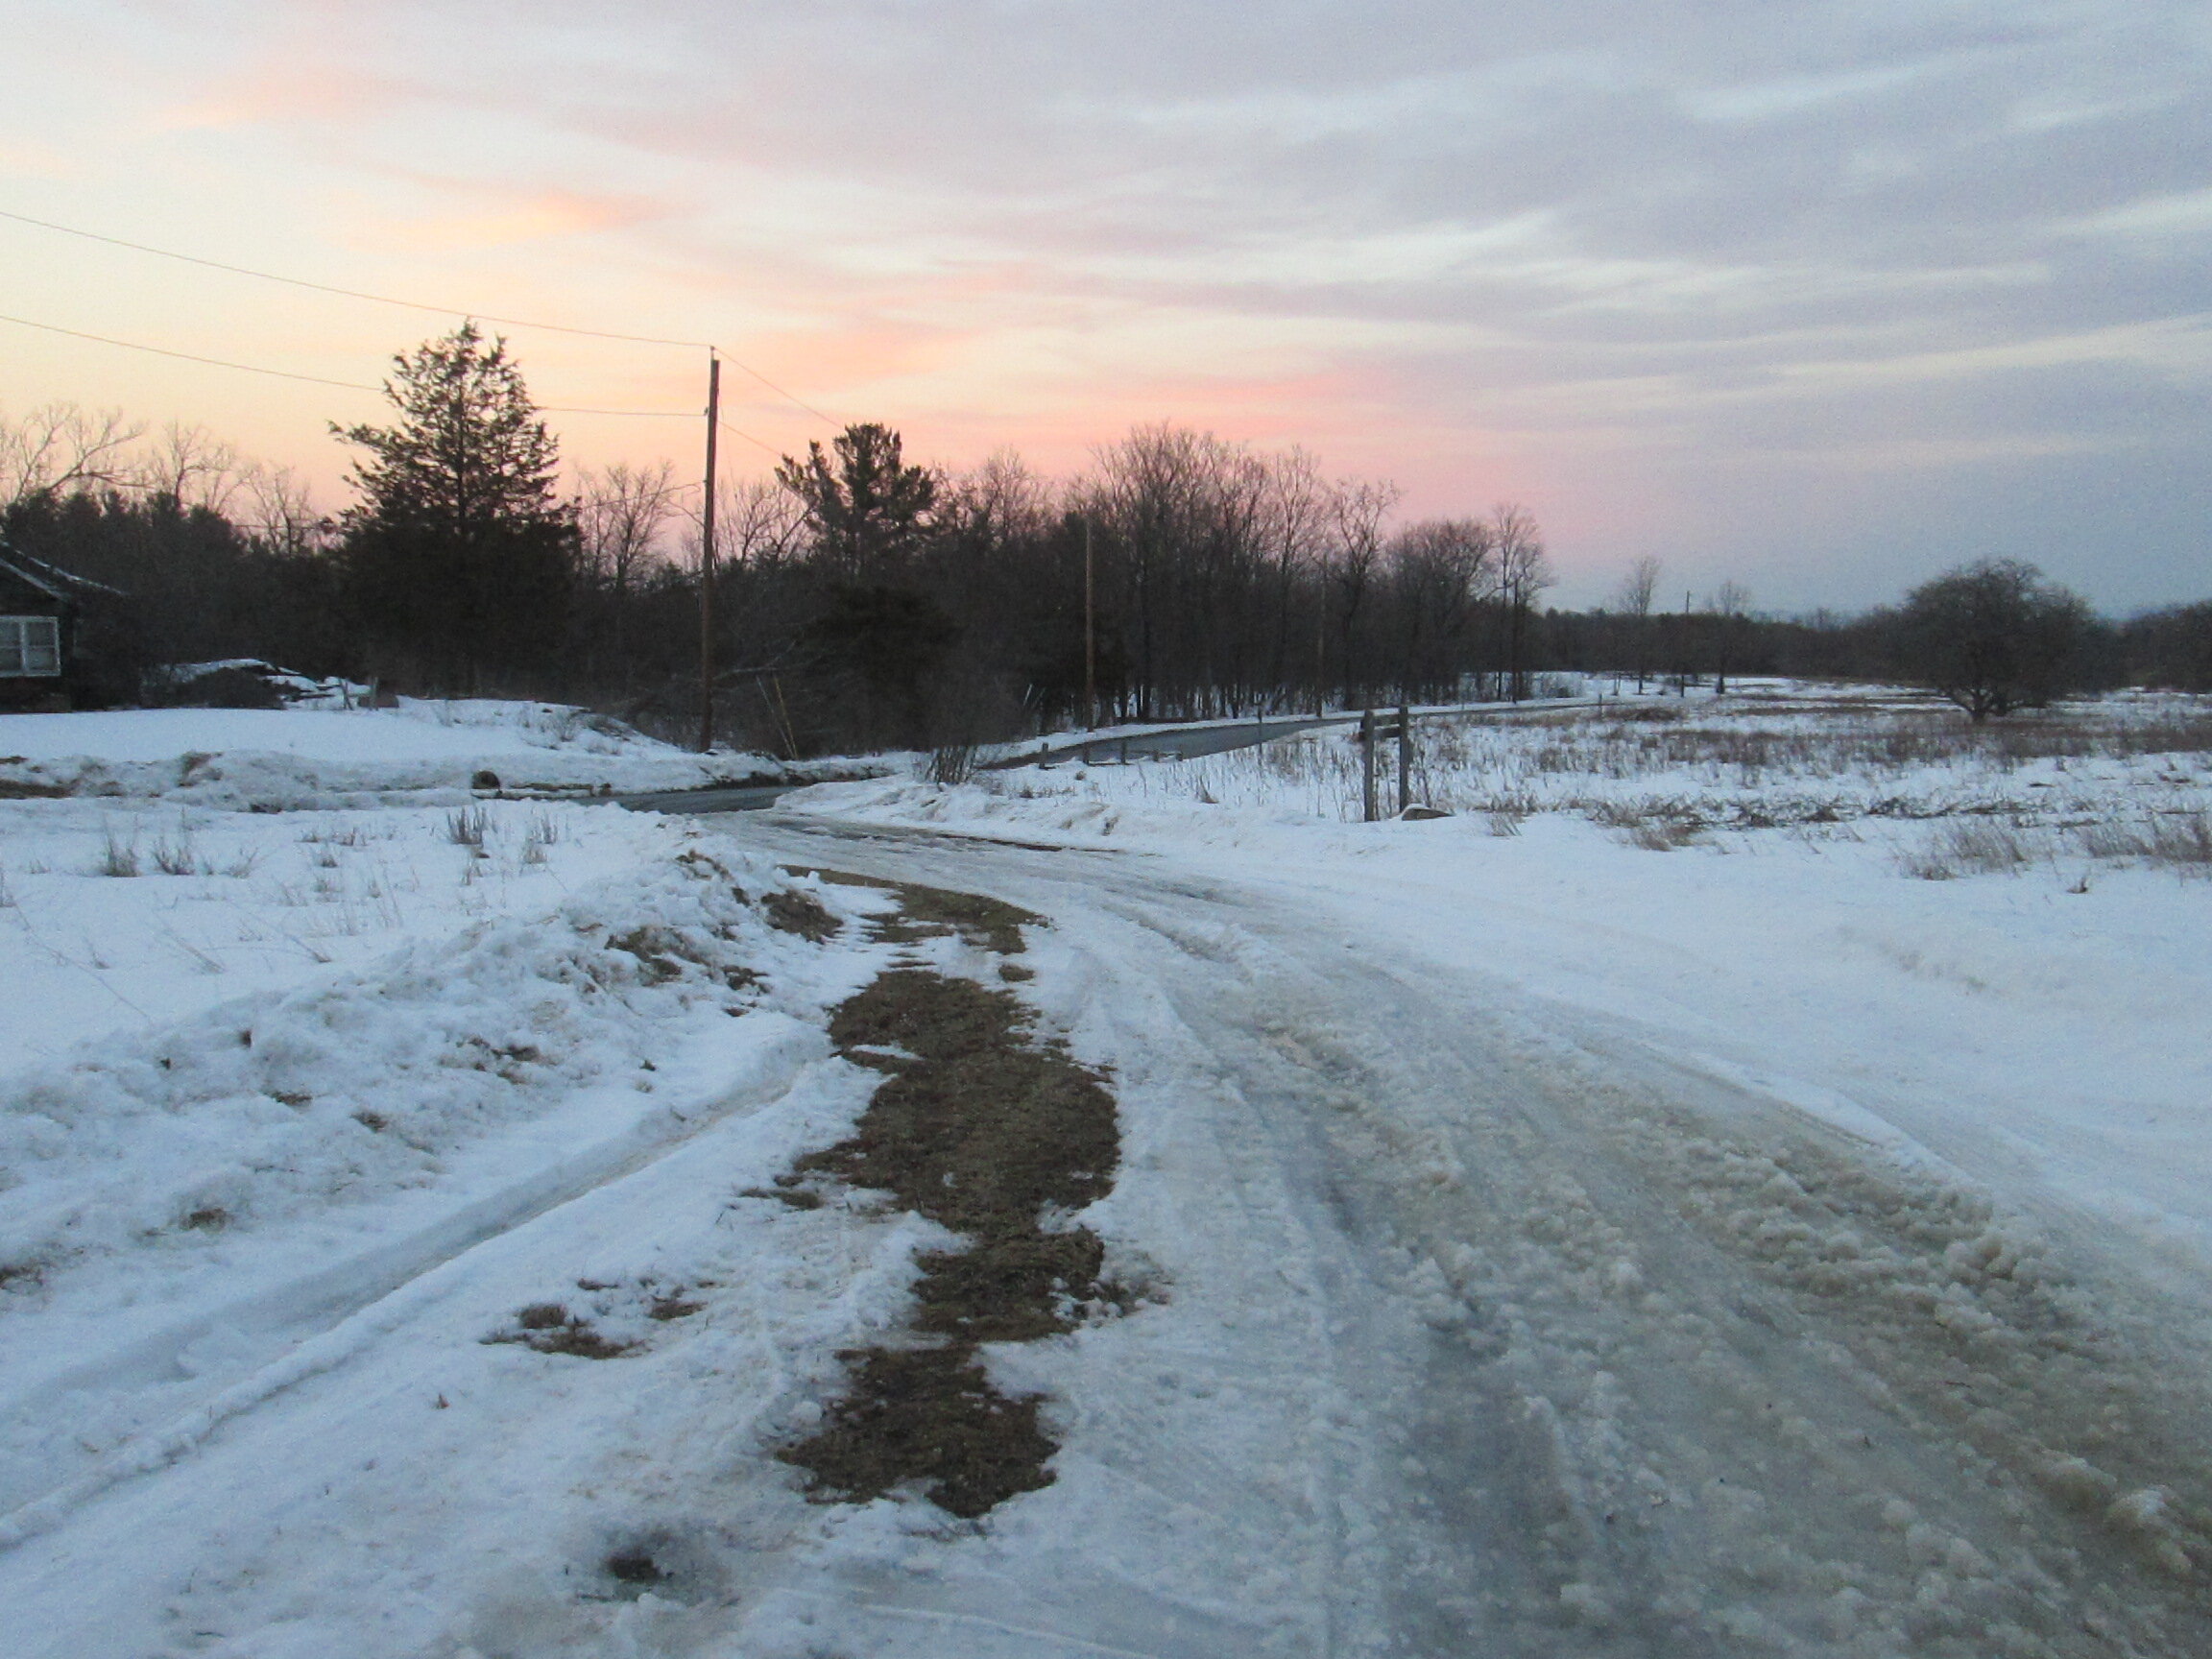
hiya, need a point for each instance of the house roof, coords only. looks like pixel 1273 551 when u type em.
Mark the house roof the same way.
pixel 51 580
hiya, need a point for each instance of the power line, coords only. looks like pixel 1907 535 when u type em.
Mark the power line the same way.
pixel 187 356
pixel 735 432
pixel 412 304
pixel 324 380
pixel 781 393
pixel 347 293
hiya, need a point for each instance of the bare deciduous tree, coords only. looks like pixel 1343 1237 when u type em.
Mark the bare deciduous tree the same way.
pixel 281 512
pixel 190 467
pixel 757 524
pixel 620 512
pixel 1731 607
pixel 1523 573
pixel 58 448
pixel 1993 637
pixel 1440 570
pixel 1637 594
pixel 1355 551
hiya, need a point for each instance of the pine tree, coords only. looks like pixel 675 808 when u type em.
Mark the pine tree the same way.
pixel 869 510
pixel 459 552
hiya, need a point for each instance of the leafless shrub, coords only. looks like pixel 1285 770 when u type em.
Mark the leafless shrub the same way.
pixel 1664 834
pixel 178 858
pixel 468 827
pixel 2183 838
pixel 2111 839
pixel 950 763
pixel 119 858
pixel 1970 846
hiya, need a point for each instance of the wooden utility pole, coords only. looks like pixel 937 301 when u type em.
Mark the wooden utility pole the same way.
pixel 706 561
pixel 1090 636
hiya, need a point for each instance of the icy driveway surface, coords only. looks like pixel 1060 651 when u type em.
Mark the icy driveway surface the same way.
pixel 1493 1326
pixel 1481 1324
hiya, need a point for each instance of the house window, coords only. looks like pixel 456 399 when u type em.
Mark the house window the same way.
pixel 30 645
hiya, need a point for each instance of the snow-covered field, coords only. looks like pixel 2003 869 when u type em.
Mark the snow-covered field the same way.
pixel 1740 1184
pixel 1998 935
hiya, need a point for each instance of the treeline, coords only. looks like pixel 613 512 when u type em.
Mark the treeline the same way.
pixel 2169 649
pixel 862 600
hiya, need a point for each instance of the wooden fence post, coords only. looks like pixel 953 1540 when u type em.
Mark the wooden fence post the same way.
pixel 1404 757
pixel 1368 762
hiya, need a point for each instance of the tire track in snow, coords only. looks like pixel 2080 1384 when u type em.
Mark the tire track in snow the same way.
pixel 1664 1403
pixel 354 1304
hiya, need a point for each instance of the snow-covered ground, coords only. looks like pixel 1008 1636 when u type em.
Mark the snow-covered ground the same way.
pixel 1989 941
pixel 1695 1199
pixel 297 757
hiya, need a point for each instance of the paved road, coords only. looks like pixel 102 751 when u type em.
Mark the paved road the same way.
pixel 1169 743
pixel 1180 743
pixel 1175 743
pixel 746 798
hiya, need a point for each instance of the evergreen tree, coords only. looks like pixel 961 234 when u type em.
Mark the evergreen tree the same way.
pixel 869 510
pixel 459 553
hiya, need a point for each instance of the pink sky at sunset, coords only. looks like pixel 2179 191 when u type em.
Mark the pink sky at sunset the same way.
pixel 1818 298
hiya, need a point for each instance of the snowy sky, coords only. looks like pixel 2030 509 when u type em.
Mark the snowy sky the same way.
pixel 1815 296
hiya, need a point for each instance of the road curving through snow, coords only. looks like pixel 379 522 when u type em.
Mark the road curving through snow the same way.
pixel 1497 1326
pixel 1467 1320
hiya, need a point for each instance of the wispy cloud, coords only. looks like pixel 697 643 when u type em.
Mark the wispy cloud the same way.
pixel 1482 246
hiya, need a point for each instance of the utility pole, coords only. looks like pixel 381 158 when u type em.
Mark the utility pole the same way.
pixel 706 561
pixel 1090 636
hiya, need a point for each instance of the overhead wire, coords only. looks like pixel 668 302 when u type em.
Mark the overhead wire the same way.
pixel 739 432
pixel 412 305
pixel 325 381
pixel 347 293
pixel 188 357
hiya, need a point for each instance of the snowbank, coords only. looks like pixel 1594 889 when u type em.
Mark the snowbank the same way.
pixel 296 757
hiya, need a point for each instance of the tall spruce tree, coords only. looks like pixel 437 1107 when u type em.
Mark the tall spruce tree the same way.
pixel 459 553
pixel 869 510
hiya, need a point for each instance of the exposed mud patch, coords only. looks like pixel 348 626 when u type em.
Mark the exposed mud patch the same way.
pixel 990 1130
pixel 549 1327
pixel 798 913
pixel 929 912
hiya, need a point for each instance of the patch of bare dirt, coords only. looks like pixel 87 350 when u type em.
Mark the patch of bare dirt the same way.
pixel 929 912
pixel 799 913
pixel 549 1327
pixel 989 1130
